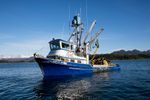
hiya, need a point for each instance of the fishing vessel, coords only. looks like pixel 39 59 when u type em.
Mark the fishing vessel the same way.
pixel 71 57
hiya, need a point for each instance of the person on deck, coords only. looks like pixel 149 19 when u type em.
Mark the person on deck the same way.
pixel 105 62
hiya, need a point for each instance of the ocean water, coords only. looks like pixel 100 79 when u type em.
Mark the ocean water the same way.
pixel 24 81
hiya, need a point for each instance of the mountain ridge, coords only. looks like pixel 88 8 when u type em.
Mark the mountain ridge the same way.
pixel 116 55
pixel 132 52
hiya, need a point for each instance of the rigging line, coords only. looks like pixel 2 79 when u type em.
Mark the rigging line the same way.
pixel 62 33
pixel 69 18
pixel 37 51
pixel 80 12
pixel 86 13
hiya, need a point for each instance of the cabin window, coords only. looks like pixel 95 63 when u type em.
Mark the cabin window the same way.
pixel 72 60
pixel 79 61
pixel 54 45
pixel 62 59
pixel 71 47
pixel 65 45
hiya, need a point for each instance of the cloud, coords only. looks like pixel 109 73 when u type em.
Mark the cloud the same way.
pixel 28 44
pixel 6 36
pixel 26 48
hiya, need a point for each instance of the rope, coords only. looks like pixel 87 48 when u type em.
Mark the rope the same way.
pixel 40 49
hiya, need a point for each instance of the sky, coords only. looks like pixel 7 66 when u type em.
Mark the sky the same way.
pixel 26 26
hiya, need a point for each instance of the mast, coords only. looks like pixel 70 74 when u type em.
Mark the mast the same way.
pixel 82 49
pixel 77 33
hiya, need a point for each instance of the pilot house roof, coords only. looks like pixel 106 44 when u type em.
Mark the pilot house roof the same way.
pixel 57 40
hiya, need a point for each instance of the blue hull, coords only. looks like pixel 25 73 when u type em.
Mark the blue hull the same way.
pixel 50 68
pixel 58 68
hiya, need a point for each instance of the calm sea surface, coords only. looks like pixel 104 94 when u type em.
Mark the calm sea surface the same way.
pixel 23 81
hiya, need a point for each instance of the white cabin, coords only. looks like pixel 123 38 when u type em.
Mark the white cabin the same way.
pixel 64 51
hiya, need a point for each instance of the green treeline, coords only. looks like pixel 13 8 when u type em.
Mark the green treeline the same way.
pixel 121 56
pixel 111 56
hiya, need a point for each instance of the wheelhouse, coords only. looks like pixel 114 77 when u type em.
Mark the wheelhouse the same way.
pixel 64 51
pixel 59 44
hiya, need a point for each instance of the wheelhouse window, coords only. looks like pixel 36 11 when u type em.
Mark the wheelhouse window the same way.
pixel 54 45
pixel 79 61
pixel 65 46
pixel 72 60
pixel 58 44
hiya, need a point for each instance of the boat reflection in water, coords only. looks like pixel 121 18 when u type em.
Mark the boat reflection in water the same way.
pixel 69 88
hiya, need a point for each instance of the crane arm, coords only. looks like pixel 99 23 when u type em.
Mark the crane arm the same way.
pixel 89 31
pixel 96 36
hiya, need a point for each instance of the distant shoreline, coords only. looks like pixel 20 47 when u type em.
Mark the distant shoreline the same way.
pixel 107 56
pixel 16 60
pixel 121 56
pixel 116 55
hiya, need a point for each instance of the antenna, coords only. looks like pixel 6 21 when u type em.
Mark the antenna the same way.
pixel 86 14
pixel 80 12
pixel 69 18
pixel 63 26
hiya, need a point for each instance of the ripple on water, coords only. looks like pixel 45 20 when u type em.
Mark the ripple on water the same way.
pixel 24 81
